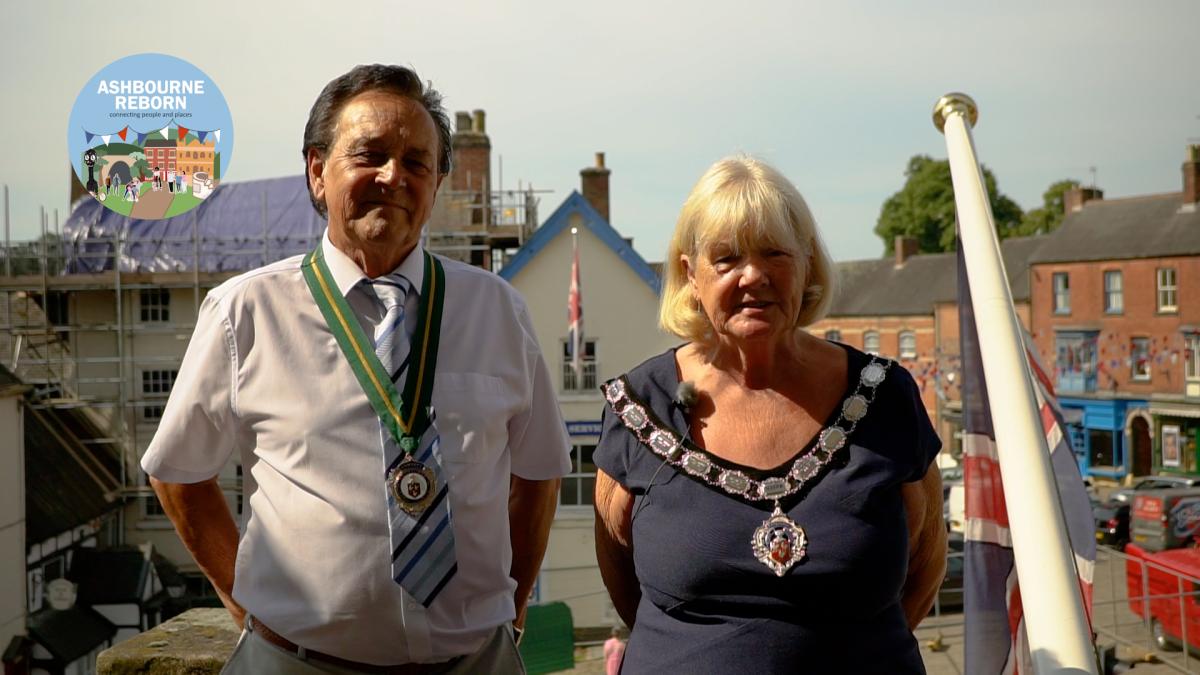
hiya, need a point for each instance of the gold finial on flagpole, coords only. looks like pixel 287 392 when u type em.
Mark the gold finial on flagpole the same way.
pixel 954 101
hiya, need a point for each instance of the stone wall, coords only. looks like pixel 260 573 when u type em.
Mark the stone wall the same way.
pixel 196 642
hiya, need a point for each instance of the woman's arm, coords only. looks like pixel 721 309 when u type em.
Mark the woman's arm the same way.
pixel 614 545
pixel 926 545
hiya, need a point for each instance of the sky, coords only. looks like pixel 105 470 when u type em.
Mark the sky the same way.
pixel 837 95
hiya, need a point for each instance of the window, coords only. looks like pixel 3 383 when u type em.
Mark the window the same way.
pixel 1191 356
pixel 871 342
pixel 1167 290
pixel 833 335
pixel 579 486
pixel 155 304
pixel 908 345
pixel 1062 293
pixel 572 381
pixel 1139 358
pixel 1076 361
pixel 156 384
pixel 1114 296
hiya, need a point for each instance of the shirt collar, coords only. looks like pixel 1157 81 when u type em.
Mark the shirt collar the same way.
pixel 347 274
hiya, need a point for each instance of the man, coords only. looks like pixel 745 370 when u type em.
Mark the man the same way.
pixel 393 526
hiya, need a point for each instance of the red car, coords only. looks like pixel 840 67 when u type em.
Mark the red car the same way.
pixel 1170 575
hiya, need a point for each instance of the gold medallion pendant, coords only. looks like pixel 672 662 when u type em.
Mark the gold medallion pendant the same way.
pixel 413 486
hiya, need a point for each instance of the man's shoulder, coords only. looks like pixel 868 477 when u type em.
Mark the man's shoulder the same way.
pixel 259 279
pixel 478 281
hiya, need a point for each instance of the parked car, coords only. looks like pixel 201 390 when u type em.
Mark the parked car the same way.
pixel 1166 518
pixel 951 476
pixel 1125 495
pixel 1112 523
pixel 1168 574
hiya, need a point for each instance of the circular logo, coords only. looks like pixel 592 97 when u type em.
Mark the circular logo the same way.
pixel 150 136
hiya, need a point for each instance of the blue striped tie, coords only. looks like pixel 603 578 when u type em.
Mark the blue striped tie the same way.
pixel 423 555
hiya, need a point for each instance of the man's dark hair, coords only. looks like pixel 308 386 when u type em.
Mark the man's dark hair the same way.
pixel 319 131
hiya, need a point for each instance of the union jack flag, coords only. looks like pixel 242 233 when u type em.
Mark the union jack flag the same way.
pixel 575 318
pixel 995 639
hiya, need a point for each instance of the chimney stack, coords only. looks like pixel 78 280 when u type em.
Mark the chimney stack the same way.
pixel 594 181
pixel 1191 175
pixel 472 155
pixel 906 247
pixel 1075 198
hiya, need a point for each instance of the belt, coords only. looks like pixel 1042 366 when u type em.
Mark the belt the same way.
pixel 278 640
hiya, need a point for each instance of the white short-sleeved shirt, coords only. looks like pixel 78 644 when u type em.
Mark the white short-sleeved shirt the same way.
pixel 264 376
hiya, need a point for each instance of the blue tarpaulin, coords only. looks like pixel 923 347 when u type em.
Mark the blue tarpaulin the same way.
pixel 240 226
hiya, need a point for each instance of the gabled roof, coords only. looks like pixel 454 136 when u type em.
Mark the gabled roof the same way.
pixel 595 223
pixel 110 576
pixel 70 633
pixel 231 224
pixel 66 485
pixel 1153 226
pixel 878 288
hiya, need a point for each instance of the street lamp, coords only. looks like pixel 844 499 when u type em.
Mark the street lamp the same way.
pixel 89 158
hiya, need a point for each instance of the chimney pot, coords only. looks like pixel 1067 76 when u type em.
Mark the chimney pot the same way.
pixel 1075 198
pixel 905 247
pixel 599 160
pixel 1191 176
pixel 480 126
pixel 462 121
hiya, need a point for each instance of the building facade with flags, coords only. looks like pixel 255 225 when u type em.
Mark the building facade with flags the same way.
pixel 1116 313
pixel 619 297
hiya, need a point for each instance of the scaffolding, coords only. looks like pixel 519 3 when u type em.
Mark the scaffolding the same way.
pixel 74 309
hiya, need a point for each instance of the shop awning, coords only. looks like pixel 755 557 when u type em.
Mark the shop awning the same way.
pixel 1176 410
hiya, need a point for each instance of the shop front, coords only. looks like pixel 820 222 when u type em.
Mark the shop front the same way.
pixel 1097 429
pixel 1176 428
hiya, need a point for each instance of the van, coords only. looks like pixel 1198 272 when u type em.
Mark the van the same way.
pixel 1173 581
pixel 1165 519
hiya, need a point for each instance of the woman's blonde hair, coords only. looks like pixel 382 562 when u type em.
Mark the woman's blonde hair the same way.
pixel 747 204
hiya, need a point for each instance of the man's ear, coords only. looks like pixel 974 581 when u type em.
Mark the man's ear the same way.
pixel 316 176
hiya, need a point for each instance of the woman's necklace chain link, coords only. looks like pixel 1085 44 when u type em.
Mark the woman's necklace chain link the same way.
pixel 666 443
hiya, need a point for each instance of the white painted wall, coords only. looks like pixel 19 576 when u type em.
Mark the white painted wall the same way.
pixel 12 520
pixel 620 312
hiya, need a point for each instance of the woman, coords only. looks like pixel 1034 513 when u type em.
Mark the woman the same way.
pixel 766 500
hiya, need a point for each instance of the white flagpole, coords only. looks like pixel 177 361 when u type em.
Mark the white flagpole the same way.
pixel 1056 624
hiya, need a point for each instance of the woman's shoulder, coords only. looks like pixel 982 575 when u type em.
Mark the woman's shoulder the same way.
pixel 658 372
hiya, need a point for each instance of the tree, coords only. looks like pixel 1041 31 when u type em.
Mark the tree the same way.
pixel 924 208
pixel 140 166
pixel 1047 217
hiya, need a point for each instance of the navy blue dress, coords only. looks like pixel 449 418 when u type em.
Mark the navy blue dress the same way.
pixel 709 606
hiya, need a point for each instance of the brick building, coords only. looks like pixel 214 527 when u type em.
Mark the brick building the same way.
pixel 906 308
pixel 1116 312
pixel 160 154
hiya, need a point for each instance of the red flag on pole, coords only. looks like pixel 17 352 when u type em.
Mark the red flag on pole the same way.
pixel 575 317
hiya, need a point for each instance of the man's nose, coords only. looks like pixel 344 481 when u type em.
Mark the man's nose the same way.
pixel 390 174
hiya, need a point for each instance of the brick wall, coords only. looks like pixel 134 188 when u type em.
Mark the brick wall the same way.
pixel 1140 317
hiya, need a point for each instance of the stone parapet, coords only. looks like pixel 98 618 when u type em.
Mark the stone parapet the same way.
pixel 196 642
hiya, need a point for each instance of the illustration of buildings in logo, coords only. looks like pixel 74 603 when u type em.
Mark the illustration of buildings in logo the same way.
pixel 151 175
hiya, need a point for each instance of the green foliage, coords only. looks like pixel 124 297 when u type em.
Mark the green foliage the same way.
pixel 1047 217
pixel 924 208
pixel 216 172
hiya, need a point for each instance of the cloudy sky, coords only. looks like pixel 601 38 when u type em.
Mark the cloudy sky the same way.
pixel 837 94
